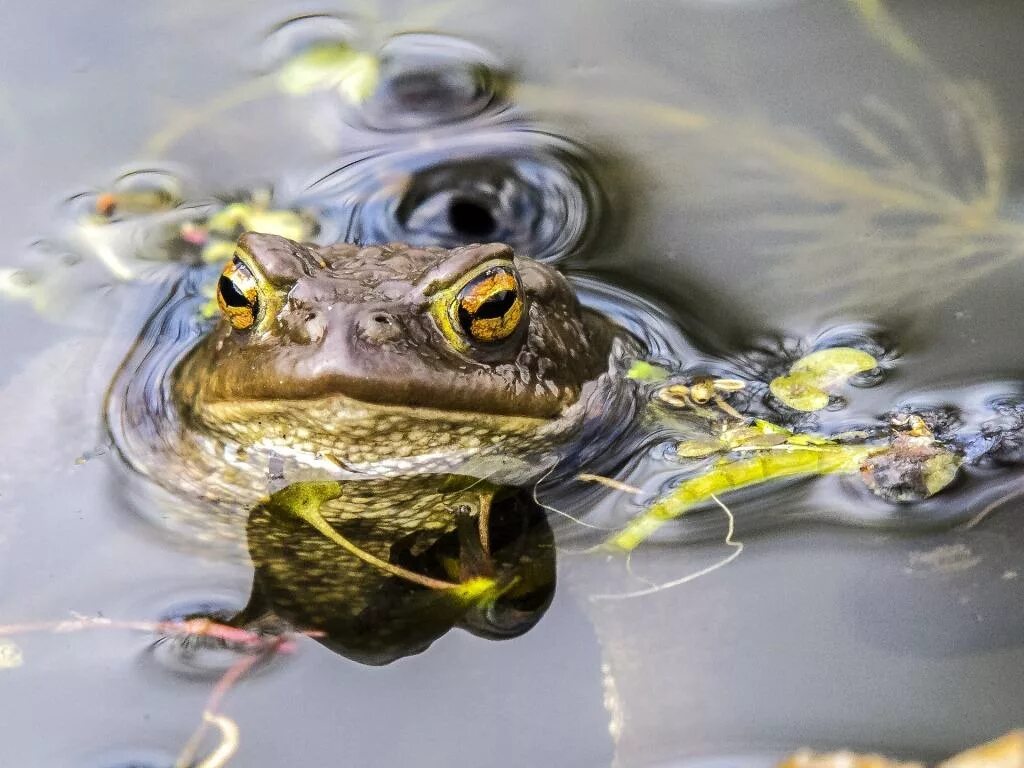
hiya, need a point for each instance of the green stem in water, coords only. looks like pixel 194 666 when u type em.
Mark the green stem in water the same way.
pixel 733 475
pixel 304 501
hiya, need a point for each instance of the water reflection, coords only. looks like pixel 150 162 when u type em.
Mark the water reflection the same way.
pixel 809 204
pixel 374 617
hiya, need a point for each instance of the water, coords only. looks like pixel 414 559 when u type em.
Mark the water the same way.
pixel 725 160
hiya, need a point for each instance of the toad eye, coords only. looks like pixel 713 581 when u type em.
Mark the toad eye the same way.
pixel 238 295
pixel 489 307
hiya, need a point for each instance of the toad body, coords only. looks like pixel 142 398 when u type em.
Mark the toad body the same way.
pixel 364 364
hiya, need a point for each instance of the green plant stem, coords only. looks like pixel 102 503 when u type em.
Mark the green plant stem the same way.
pixel 732 475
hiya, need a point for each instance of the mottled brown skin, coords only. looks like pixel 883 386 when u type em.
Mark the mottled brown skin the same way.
pixel 351 362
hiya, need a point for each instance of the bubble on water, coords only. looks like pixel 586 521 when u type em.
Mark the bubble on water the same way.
pixel 430 79
pixel 527 188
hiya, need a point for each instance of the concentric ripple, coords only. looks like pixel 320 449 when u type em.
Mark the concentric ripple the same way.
pixel 423 80
pixel 530 189
pixel 429 80
pixel 198 658
pixel 301 33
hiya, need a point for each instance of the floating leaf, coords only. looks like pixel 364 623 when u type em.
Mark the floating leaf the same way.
pixel 217 251
pixel 10 655
pixel 338 66
pixel 284 223
pixel 806 386
pixel 255 216
pixel 641 370
pixel 835 364
pixel 801 391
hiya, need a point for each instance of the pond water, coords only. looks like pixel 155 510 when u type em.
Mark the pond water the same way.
pixel 736 182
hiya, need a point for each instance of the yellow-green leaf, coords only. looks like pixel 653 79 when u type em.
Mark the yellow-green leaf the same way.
pixel 835 364
pixel 217 251
pixel 800 391
pixel 229 218
pixel 233 219
pixel 284 223
pixel 641 370
pixel 940 471
pixel 352 73
pixel 806 387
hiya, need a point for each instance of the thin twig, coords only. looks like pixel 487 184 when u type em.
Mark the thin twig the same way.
pixel 556 510
pixel 611 482
pixel 228 741
pixel 227 681
pixel 738 549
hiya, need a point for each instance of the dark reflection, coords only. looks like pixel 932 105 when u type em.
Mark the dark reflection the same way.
pixel 512 183
pixel 428 80
pixel 374 617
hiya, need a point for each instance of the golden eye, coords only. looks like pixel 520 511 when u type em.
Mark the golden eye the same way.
pixel 490 306
pixel 238 295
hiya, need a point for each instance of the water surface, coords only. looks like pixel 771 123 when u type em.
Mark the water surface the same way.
pixel 715 157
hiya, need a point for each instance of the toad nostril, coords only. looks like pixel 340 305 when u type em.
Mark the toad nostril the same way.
pixel 379 327
pixel 471 218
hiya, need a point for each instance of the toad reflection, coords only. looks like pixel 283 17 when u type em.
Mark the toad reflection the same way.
pixel 495 583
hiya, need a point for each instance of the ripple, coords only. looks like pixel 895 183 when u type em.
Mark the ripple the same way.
pixel 300 34
pixel 528 188
pixel 424 79
pixel 134 193
pixel 428 80
pixel 194 657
